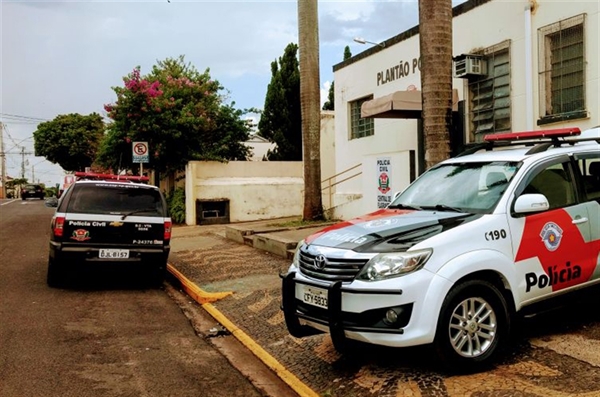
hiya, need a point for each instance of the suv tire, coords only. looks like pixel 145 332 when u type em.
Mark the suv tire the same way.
pixel 473 326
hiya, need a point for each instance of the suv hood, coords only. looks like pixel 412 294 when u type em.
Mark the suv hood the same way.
pixel 388 230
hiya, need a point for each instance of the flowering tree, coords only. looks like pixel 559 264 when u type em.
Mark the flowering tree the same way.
pixel 181 115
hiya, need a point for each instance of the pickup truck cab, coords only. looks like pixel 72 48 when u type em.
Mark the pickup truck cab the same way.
pixel 474 241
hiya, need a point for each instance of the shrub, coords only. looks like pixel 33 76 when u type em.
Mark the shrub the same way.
pixel 176 204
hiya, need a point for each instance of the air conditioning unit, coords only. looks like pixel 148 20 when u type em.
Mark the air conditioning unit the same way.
pixel 467 65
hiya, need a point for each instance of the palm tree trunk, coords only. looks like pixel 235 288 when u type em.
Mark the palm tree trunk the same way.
pixel 310 103
pixel 435 36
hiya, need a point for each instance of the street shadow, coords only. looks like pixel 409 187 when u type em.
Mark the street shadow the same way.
pixel 106 279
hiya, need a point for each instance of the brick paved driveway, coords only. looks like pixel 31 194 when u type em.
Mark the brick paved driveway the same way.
pixel 557 355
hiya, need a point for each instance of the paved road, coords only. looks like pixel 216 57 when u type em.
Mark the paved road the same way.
pixel 557 353
pixel 105 337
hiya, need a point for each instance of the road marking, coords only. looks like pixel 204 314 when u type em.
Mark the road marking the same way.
pixel 203 298
pixel 8 202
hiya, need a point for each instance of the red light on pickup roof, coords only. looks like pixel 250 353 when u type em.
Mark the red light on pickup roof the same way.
pixel 110 177
pixel 515 136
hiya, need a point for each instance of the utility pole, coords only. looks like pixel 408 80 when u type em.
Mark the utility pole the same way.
pixel 3 161
pixel 22 162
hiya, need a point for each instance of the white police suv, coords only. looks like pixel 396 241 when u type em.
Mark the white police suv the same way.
pixel 110 220
pixel 473 241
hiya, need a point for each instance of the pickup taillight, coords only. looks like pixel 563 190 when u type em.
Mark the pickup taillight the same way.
pixel 58 226
pixel 167 235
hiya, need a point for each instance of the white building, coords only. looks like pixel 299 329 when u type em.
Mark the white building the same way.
pixel 259 147
pixel 521 65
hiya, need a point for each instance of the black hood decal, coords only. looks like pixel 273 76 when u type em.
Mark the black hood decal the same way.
pixel 389 230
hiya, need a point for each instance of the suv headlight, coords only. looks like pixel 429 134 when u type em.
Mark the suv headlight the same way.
pixel 393 264
pixel 296 261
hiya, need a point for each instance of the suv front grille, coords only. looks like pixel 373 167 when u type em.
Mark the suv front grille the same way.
pixel 330 269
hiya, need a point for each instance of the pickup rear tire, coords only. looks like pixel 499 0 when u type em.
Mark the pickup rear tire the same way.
pixel 157 276
pixel 473 326
pixel 55 276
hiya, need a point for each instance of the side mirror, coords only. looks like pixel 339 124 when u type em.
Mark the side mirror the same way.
pixel 531 203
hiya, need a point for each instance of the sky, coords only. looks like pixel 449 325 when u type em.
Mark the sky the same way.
pixel 61 57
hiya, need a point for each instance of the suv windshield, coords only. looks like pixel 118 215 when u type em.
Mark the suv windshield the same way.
pixel 115 199
pixel 467 187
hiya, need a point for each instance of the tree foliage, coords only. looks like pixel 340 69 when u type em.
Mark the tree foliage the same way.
pixel 281 117
pixel 179 112
pixel 330 103
pixel 70 140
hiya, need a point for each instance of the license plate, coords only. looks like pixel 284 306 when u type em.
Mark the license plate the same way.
pixel 313 296
pixel 113 254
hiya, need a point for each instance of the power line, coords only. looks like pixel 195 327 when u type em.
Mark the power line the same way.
pixel 19 117
pixel 15 144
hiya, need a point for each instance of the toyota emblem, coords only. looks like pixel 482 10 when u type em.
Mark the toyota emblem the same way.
pixel 320 262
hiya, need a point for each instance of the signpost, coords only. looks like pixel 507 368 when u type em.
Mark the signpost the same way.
pixel 140 154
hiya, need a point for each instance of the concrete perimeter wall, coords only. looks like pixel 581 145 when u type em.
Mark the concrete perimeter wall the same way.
pixel 256 190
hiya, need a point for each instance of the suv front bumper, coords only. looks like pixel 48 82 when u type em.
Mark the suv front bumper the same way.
pixel 359 312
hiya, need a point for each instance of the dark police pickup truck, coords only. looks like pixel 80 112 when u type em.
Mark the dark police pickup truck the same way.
pixel 109 220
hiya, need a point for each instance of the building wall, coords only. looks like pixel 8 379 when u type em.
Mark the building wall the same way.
pixel 255 189
pixel 259 146
pixel 327 144
pixel 479 25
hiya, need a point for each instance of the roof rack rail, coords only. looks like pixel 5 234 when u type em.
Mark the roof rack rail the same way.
pixel 94 176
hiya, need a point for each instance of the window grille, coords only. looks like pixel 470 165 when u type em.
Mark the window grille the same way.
pixel 562 70
pixel 360 127
pixel 490 108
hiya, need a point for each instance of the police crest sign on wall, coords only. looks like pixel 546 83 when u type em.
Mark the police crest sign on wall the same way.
pixel 384 189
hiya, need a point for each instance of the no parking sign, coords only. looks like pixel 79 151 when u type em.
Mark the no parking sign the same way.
pixel 140 152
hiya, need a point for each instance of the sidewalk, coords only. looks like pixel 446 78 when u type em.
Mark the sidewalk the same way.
pixel 239 265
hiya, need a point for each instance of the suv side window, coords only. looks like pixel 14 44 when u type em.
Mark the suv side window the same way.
pixel 556 183
pixel 589 166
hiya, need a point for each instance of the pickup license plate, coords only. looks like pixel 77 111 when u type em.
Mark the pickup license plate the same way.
pixel 109 253
pixel 313 296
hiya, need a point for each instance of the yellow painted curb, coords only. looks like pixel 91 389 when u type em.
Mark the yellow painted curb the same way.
pixel 205 298
pixel 192 289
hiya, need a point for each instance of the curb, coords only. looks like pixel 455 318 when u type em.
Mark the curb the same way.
pixel 205 298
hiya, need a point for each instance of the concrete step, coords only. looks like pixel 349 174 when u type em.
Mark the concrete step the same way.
pixel 274 243
pixel 279 241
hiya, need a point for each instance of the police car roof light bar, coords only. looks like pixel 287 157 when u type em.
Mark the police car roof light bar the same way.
pixel 526 135
pixel 109 177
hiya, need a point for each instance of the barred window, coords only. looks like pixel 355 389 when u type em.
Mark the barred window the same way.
pixel 562 70
pixel 490 95
pixel 360 127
